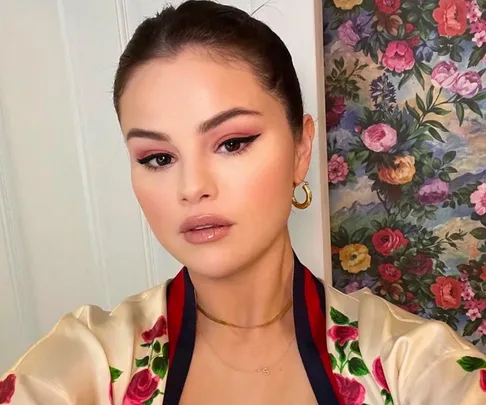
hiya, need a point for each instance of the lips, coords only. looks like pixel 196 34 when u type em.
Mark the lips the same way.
pixel 205 228
pixel 202 222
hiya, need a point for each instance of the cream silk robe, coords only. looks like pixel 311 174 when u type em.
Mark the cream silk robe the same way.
pixel 356 349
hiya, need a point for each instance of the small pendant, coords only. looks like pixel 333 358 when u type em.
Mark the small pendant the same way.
pixel 265 371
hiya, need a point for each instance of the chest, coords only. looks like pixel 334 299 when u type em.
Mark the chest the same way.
pixel 215 381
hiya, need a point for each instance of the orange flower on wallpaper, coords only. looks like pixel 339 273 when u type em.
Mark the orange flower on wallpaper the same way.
pixel 451 17
pixel 402 173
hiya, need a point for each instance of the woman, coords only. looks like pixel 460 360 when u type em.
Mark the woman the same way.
pixel 211 109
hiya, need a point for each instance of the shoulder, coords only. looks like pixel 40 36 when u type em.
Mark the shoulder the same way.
pixel 85 347
pixel 420 361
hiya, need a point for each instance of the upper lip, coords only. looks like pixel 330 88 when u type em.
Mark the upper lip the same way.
pixel 192 223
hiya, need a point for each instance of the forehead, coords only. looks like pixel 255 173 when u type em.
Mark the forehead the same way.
pixel 189 89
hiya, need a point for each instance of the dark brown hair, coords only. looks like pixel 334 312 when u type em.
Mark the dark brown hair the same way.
pixel 224 31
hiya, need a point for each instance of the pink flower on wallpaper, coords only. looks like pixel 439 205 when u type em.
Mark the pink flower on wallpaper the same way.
pixel 433 191
pixel 479 31
pixel 337 169
pixel 444 74
pixel 473 12
pixel 474 314
pixel 478 198
pixel 482 328
pixel 347 33
pixel 468 84
pixel 398 56
pixel 352 391
pixel 466 291
pixel 482 276
pixel 379 137
pixel 379 374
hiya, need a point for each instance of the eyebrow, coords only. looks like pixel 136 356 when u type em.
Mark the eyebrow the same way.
pixel 204 127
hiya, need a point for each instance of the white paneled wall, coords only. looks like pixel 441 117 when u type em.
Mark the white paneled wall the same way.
pixel 71 231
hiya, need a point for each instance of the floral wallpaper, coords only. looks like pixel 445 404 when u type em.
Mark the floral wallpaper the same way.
pixel 405 101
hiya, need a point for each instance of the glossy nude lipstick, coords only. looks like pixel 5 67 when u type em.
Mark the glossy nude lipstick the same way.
pixel 205 228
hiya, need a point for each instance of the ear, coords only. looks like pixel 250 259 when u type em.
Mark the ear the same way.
pixel 303 150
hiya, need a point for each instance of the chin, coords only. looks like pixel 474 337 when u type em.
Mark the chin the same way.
pixel 214 260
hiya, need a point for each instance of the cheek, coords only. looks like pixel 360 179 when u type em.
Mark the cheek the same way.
pixel 152 195
pixel 266 189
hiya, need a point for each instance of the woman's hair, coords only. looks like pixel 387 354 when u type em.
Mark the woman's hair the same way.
pixel 223 31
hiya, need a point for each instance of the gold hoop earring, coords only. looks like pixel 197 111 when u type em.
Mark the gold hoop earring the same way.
pixel 308 197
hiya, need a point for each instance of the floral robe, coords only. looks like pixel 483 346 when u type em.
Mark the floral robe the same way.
pixel 356 349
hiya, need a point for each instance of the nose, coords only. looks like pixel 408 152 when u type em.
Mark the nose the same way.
pixel 196 183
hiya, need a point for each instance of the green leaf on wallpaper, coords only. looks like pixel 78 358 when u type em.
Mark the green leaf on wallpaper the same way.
pixel 479 233
pixel 445 177
pixel 436 124
pixel 435 134
pixel 473 106
pixel 439 111
pixel 358 235
pixel 460 112
pixel 420 103
pixel 482 95
pixel 425 68
pixel 430 96
pixel 449 157
pixel 405 78
pixel 476 56
pixel 436 163
pixel 428 171
pixel 412 111
pixel 405 211
pixel 418 75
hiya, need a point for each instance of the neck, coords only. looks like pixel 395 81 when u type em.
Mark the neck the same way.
pixel 253 294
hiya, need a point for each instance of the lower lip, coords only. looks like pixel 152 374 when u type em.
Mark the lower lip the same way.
pixel 206 235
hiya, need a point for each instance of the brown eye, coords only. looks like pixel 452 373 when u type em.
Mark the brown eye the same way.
pixel 163 160
pixel 232 145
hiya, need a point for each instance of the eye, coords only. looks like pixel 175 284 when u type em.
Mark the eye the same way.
pixel 236 145
pixel 156 161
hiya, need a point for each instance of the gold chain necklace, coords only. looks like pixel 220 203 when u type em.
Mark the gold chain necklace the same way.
pixel 277 318
pixel 265 370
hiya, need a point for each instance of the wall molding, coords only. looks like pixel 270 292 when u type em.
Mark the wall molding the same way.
pixel 92 215
pixel 16 254
pixel 147 236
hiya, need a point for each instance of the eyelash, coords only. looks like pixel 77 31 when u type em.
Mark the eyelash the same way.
pixel 245 141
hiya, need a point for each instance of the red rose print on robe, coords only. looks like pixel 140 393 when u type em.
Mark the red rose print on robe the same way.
pixel 342 334
pixel 158 330
pixel 141 388
pixel 352 392
pixel 379 374
pixel 7 389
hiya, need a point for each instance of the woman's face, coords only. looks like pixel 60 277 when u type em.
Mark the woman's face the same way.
pixel 213 160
